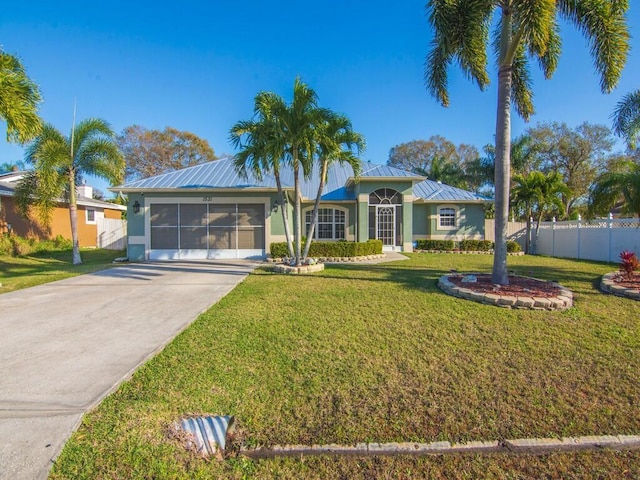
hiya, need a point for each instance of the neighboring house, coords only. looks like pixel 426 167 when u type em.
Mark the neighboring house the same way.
pixel 209 211
pixel 90 212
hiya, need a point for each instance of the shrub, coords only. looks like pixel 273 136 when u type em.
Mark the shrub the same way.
pixel 513 247
pixel 628 263
pixel 341 248
pixel 6 247
pixel 22 246
pixel 476 245
pixel 442 245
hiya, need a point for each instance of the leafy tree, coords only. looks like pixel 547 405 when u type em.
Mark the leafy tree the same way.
pixel 59 162
pixel 526 29
pixel 437 159
pixel 19 99
pixel 336 143
pixel 579 155
pixel 153 152
pixel 11 167
pixel 626 118
pixel 618 186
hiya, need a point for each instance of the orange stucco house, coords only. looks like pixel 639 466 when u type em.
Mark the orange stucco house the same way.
pixel 90 213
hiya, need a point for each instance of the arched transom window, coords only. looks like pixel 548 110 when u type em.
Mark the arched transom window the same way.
pixel 385 196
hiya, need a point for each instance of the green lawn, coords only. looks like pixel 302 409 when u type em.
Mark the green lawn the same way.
pixel 378 354
pixel 48 266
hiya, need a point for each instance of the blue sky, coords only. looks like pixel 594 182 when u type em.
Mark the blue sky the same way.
pixel 197 66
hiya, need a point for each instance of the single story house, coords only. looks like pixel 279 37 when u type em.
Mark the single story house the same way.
pixel 90 212
pixel 209 211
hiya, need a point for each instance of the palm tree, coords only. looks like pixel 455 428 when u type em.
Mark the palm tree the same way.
pixel 19 99
pixel 290 138
pixel 260 151
pixel 59 163
pixel 527 192
pixel 538 193
pixel 336 143
pixel 614 187
pixel 525 29
pixel 626 118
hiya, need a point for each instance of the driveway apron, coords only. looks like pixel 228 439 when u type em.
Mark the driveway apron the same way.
pixel 66 345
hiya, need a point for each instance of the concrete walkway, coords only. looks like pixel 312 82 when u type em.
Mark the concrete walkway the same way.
pixel 66 345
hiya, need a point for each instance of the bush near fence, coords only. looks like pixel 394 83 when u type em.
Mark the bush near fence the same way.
pixel 463 245
pixel 332 249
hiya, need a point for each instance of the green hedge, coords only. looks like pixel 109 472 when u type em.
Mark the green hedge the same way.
pixel 464 245
pixel 332 249
pixel 442 245
pixel 476 245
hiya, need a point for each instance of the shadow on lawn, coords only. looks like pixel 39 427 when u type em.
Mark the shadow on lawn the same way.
pixel 425 278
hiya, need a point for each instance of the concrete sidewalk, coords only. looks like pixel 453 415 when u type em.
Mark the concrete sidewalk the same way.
pixel 66 345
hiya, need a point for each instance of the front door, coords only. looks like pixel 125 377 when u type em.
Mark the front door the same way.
pixel 386 225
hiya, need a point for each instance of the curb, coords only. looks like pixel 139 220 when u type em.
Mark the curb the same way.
pixel 535 446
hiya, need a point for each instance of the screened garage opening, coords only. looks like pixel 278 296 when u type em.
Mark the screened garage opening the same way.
pixel 206 231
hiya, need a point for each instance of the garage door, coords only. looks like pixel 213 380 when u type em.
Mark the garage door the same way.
pixel 206 230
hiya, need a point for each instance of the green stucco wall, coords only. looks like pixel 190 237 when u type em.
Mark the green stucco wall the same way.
pixel 471 221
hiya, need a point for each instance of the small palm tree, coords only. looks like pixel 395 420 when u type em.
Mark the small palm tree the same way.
pixel 19 99
pixel 621 186
pixel 260 150
pixel 59 162
pixel 336 143
pixel 626 118
pixel 288 136
pixel 525 29
pixel 537 193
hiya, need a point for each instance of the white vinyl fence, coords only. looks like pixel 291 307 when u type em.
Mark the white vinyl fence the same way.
pixel 601 239
pixel 112 233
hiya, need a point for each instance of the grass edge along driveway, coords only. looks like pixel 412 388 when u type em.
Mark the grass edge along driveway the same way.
pixel 377 353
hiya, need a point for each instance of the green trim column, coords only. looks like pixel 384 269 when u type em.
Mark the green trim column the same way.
pixel 407 222
pixel 363 217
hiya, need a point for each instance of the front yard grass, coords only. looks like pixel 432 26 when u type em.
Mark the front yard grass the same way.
pixel 48 266
pixel 376 353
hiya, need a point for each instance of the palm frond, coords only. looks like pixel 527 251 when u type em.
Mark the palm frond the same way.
pixel 20 98
pixel 604 25
pixel 521 85
pixel 626 118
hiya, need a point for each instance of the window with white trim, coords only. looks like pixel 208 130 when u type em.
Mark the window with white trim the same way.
pixel 330 225
pixel 447 217
pixel 90 215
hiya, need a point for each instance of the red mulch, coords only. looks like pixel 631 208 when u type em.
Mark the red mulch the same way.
pixel 518 286
pixel 624 282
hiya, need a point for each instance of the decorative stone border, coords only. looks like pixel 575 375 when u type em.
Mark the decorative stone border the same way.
pixel 282 268
pixel 609 285
pixel 563 301
pixel 517 446
pixel 361 258
pixel 469 252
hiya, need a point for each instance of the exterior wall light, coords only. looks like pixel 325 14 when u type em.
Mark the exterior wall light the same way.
pixel 136 207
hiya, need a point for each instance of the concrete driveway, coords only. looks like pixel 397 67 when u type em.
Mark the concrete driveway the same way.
pixel 65 345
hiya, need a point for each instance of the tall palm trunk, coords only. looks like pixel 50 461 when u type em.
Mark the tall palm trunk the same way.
pixel 503 158
pixel 285 214
pixel 316 206
pixel 297 227
pixel 73 217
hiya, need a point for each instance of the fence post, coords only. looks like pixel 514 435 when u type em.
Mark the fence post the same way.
pixel 553 237
pixel 610 227
pixel 579 222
